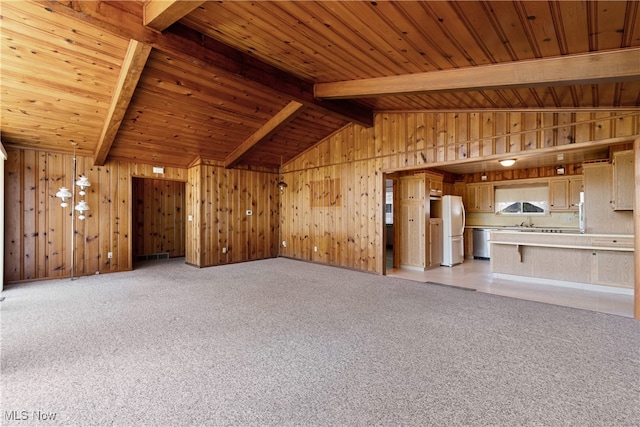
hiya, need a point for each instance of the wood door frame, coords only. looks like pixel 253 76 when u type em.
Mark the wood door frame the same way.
pixel 132 241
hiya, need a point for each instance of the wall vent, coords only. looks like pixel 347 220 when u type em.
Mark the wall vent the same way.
pixel 161 255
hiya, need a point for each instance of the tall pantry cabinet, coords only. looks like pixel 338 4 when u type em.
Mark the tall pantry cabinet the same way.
pixel 418 236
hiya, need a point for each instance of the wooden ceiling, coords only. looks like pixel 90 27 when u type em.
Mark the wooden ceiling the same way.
pixel 255 83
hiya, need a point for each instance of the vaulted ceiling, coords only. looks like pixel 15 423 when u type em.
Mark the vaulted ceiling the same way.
pixel 255 83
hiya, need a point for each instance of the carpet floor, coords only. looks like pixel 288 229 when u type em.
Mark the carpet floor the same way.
pixel 281 342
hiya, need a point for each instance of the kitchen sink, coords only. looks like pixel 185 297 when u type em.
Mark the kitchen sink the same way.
pixel 541 230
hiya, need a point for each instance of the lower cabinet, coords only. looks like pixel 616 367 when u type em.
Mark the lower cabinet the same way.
pixel 612 268
pixel 412 235
pixel 468 243
pixel 435 243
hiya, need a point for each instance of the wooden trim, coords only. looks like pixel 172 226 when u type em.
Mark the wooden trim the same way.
pixel 132 66
pixel 636 221
pixel 277 122
pixel 592 68
pixel 160 14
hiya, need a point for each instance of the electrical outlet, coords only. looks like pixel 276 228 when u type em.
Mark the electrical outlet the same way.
pixel 249 212
pixel 109 255
pixel 224 250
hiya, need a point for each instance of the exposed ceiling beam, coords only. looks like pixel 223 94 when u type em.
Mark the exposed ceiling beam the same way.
pixel 195 48
pixel 601 67
pixel 132 66
pixel 160 14
pixel 277 122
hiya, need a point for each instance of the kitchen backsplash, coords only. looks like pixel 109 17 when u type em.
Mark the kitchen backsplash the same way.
pixel 556 219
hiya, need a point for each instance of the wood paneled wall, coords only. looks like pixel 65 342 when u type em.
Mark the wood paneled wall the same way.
pixel 158 217
pixel 334 203
pixel 348 167
pixel 218 200
pixel 38 230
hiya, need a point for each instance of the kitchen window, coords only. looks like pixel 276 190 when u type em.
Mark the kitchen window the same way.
pixel 522 200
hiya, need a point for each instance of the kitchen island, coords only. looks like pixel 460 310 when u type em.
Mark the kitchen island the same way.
pixel 597 259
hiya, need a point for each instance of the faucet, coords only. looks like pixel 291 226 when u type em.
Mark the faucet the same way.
pixel 527 223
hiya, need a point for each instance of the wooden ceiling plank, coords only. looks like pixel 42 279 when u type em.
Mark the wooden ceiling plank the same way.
pixel 598 67
pixel 132 66
pixel 160 14
pixel 280 120
pixel 235 67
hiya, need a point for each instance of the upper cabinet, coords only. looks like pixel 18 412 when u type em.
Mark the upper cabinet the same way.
pixel 412 188
pixel 623 181
pixel 564 193
pixel 479 197
pixel 435 185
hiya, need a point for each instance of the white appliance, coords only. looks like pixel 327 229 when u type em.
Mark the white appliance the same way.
pixel 453 221
pixel 581 212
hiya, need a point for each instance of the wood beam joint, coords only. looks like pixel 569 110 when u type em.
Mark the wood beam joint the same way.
pixel 160 14
pixel 130 72
pixel 277 122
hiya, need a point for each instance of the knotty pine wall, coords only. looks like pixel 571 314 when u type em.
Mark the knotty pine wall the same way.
pixel 218 200
pixel 336 196
pixel 158 217
pixel 38 230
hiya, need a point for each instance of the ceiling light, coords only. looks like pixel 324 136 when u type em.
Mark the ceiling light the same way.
pixel 507 162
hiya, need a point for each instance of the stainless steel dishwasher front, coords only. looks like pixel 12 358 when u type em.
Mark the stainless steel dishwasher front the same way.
pixel 481 246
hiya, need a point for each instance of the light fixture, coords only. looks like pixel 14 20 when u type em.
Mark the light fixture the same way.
pixel 560 170
pixel 64 194
pixel 82 206
pixel 281 184
pixel 507 162
pixel 83 183
pixel 483 177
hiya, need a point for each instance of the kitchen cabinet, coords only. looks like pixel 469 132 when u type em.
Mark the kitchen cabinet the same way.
pixel 468 243
pixel 412 235
pixel 573 257
pixel 599 216
pixel 479 197
pixel 412 188
pixel 564 193
pixel 435 186
pixel 623 181
pixel 435 243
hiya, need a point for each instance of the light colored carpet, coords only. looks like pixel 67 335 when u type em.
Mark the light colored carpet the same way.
pixel 280 342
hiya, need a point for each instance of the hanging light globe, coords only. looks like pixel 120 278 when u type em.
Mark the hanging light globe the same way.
pixel 83 183
pixel 64 194
pixel 82 207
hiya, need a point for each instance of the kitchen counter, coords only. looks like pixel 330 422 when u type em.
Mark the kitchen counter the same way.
pixel 603 259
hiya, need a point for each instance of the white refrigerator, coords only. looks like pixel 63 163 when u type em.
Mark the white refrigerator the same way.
pixel 453 221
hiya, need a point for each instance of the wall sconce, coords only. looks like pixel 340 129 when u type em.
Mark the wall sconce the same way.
pixel 281 184
pixel 560 170
pixel 483 177
pixel 507 162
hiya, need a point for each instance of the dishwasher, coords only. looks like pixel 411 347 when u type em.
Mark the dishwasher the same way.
pixel 481 246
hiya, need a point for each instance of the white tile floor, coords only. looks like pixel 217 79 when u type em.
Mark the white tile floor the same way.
pixel 477 274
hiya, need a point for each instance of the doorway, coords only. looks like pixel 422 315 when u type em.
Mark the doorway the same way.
pixel 158 219
pixel 389 232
